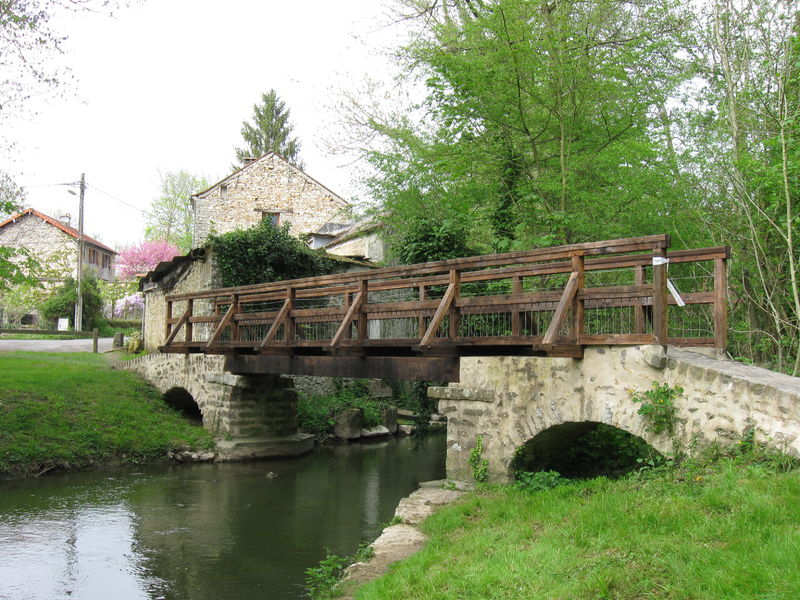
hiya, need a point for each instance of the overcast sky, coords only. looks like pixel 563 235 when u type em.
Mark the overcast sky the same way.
pixel 165 85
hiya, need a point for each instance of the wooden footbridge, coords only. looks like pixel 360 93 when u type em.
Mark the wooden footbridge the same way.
pixel 415 322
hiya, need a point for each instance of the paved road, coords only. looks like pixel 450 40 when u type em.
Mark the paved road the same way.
pixel 103 345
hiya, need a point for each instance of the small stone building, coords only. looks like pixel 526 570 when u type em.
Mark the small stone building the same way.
pixel 267 188
pixel 54 244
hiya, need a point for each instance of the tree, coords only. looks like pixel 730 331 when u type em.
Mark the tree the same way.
pixel 142 258
pixel 539 123
pixel 170 217
pixel 270 131
pixel 61 303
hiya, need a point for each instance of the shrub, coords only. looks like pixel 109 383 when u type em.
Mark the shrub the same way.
pixel 265 253
pixel 317 414
pixel 536 482
pixel 658 407
pixel 61 303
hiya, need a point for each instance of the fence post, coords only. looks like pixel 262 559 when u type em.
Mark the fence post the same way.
pixel 95 334
pixel 234 322
pixel 190 309
pixel 578 303
pixel 167 324
pixel 660 295
pixel 516 316
pixel 638 309
pixel 423 295
pixel 720 303
pixel 288 326
pixel 362 313
pixel 453 313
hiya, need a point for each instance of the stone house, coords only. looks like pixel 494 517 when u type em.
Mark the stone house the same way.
pixel 267 188
pixel 54 244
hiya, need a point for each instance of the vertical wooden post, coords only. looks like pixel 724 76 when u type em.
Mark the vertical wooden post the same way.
pixel 660 295
pixel 190 308
pixel 289 325
pixel 453 313
pixel 638 309
pixel 577 326
pixel 347 301
pixel 720 304
pixel 95 334
pixel 423 295
pixel 234 322
pixel 167 324
pixel 362 314
pixel 516 316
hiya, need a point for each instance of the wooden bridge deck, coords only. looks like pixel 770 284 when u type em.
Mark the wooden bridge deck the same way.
pixel 415 321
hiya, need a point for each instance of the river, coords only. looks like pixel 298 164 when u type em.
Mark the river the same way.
pixel 202 531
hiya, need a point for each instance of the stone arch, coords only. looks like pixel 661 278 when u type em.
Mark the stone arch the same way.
pixel 181 400
pixel 568 449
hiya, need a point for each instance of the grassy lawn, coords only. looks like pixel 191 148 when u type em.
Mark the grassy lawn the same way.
pixel 72 410
pixel 727 531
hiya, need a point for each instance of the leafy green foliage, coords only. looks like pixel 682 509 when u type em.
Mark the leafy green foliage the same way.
pixel 479 466
pixel 658 407
pixel 265 253
pixel 538 481
pixel 61 302
pixel 171 218
pixel 323 581
pixel 70 410
pixel 317 414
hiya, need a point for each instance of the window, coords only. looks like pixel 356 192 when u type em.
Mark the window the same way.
pixel 106 261
pixel 92 256
pixel 273 218
pixel 223 191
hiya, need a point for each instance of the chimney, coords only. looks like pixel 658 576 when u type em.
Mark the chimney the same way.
pixel 65 218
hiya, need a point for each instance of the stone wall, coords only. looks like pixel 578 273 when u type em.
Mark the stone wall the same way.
pixel 511 400
pixel 268 185
pixel 53 248
pixel 368 246
pixel 257 413
pixel 199 274
pixel 56 251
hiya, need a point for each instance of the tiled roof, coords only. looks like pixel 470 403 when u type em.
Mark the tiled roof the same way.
pixel 71 231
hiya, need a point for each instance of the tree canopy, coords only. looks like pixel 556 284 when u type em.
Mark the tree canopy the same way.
pixel 558 122
pixel 170 217
pixel 142 258
pixel 269 131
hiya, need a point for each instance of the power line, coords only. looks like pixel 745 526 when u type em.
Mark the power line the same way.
pixel 94 187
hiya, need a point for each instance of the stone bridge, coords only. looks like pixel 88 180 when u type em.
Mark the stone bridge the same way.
pixel 253 416
pixel 545 404
pixel 540 403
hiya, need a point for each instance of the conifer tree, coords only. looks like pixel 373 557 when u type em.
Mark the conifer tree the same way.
pixel 269 131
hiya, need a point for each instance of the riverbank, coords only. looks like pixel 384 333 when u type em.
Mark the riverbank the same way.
pixel 727 529
pixel 67 411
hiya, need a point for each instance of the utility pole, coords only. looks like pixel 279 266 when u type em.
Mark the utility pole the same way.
pixel 78 321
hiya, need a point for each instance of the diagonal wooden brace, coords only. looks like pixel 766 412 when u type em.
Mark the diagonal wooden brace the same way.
pixel 351 313
pixel 560 315
pixel 222 324
pixel 184 318
pixel 273 330
pixel 441 311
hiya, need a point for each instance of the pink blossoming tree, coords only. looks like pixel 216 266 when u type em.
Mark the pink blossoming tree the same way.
pixel 139 259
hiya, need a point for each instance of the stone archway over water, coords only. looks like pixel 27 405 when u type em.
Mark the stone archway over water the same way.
pixel 509 400
pixel 182 401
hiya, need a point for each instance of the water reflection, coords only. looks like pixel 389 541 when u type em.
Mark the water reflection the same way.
pixel 202 531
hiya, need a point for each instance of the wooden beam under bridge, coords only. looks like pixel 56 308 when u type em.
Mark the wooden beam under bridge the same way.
pixel 416 368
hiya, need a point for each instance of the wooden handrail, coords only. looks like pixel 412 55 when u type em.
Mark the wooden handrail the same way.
pixel 519 311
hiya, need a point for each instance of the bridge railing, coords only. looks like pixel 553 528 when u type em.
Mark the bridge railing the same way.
pixel 550 300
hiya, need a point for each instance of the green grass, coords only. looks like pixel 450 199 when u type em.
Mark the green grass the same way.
pixel 728 531
pixel 73 410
